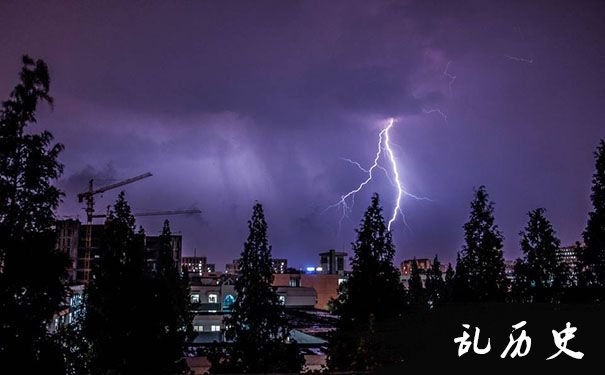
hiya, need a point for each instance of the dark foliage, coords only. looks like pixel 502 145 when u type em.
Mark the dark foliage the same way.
pixel 371 296
pixel 480 266
pixel 32 272
pixel 593 256
pixel 128 331
pixel 435 283
pixel 257 328
pixel 539 276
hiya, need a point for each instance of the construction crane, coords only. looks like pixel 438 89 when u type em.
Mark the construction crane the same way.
pixel 155 213
pixel 88 196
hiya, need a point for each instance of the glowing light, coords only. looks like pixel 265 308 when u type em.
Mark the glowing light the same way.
pixel 384 144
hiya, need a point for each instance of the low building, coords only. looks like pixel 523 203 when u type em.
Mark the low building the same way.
pixel 325 286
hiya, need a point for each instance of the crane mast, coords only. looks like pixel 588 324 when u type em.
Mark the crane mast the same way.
pixel 88 196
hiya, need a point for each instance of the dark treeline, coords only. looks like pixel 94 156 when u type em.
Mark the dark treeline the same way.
pixel 135 320
pixel 138 320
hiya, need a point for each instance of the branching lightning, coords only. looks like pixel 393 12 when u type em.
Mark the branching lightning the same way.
pixel 520 59
pixel 384 149
pixel 437 111
pixel 450 76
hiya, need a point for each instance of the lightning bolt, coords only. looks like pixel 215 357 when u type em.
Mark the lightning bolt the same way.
pixel 384 149
pixel 437 111
pixel 520 59
pixel 450 76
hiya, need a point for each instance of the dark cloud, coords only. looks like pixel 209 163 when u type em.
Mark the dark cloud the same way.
pixel 228 103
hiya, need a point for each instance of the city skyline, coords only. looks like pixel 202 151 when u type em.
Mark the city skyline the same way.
pixel 228 105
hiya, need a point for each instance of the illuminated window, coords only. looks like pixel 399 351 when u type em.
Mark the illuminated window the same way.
pixel 215 328
pixel 212 298
pixel 198 328
pixel 282 299
pixel 195 298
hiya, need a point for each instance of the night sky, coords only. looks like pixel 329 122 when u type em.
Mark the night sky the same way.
pixel 231 102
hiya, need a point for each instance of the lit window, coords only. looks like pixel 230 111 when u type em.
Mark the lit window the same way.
pixel 215 328
pixel 195 298
pixel 198 328
pixel 282 299
pixel 212 298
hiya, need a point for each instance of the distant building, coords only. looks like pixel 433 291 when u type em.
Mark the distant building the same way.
pixel 71 239
pixel 68 232
pixel 210 267
pixel 280 265
pixel 406 266
pixel 195 265
pixel 570 256
pixel 509 269
pixel 233 268
pixel 332 262
pixel 152 249
pixel 424 264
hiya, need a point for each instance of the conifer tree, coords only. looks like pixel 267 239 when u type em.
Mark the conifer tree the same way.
pixel 371 297
pixel 32 272
pixel 119 299
pixel 435 285
pixel 416 291
pixel 257 328
pixel 450 277
pixel 593 255
pixel 171 310
pixel 480 267
pixel 540 271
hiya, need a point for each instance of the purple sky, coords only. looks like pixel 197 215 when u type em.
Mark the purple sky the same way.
pixel 231 102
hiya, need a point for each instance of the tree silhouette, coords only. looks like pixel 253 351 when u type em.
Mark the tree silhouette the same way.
pixel 257 327
pixel 171 310
pixel 119 300
pixel 539 273
pixel 416 291
pixel 480 267
pixel 32 272
pixel 593 256
pixel 435 285
pixel 371 297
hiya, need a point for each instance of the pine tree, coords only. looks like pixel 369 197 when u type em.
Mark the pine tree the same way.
pixel 371 297
pixel 542 271
pixel 32 272
pixel 521 285
pixel 450 277
pixel 435 285
pixel 171 310
pixel 593 256
pixel 480 269
pixel 257 327
pixel 118 323
pixel 416 291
